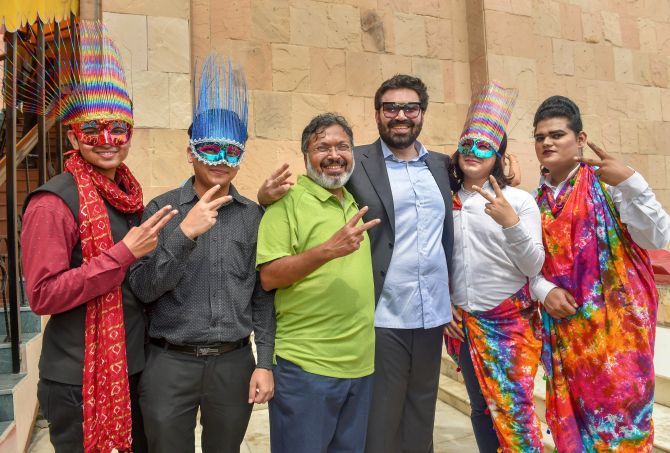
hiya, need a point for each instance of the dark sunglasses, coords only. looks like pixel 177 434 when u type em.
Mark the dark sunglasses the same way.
pixel 392 109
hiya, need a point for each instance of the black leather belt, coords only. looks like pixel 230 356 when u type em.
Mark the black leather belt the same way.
pixel 202 350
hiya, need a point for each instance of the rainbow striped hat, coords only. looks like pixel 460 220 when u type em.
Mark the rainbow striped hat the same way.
pixel 489 114
pixel 91 84
pixel 96 87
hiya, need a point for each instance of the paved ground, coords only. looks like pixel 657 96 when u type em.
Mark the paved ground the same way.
pixel 453 433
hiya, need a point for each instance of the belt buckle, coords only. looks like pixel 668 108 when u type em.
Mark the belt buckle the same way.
pixel 205 351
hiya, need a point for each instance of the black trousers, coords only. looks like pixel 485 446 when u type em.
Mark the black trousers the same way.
pixel 482 424
pixel 174 385
pixel 407 374
pixel 62 406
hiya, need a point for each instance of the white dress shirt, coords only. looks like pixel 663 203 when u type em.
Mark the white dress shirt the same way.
pixel 647 221
pixel 491 263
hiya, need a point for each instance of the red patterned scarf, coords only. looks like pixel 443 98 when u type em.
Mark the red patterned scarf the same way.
pixel 107 421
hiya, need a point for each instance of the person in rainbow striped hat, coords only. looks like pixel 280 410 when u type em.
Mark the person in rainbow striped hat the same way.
pixel 494 336
pixel 78 239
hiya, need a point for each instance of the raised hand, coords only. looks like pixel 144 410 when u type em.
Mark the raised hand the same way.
pixel 513 169
pixel 498 208
pixel 202 216
pixel 559 303
pixel 348 239
pixel 612 171
pixel 275 186
pixel 143 239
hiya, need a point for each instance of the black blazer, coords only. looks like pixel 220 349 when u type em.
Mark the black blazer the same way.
pixel 370 186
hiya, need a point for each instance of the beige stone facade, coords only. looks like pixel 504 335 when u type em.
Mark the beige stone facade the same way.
pixel 303 57
pixel 611 57
pixel 663 318
pixel 154 38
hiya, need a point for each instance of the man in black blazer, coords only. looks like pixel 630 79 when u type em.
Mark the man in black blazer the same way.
pixel 407 187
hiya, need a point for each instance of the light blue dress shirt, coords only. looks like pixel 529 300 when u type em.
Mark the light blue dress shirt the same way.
pixel 416 287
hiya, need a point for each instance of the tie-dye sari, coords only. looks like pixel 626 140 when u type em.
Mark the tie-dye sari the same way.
pixel 505 352
pixel 599 362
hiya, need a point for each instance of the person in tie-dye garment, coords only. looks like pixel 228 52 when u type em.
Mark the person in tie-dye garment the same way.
pixel 497 248
pixel 597 288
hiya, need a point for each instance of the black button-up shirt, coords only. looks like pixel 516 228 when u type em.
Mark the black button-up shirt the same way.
pixel 206 291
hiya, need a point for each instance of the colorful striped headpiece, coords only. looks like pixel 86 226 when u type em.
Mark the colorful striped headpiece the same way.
pixel 98 87
pixel 220 114
pixel 489 114
pixel 91 84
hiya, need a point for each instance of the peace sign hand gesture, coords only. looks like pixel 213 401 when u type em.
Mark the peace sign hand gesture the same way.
pixel 143 239
pixel 348 239
pixel 202 216
pixel 498 208
pixel 612 171
pixel 275 187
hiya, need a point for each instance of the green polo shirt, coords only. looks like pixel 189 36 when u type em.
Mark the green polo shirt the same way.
pixel 325 322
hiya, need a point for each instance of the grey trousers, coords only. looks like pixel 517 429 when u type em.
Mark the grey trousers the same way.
pixel 174 385
pixel 407 374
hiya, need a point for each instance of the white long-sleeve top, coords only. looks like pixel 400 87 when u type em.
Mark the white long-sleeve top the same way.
pixel 490 263
pixel 647 221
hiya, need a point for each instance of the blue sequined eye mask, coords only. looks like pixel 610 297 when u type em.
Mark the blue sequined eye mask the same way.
pixel 479 148
pixel 214 153
pixel 219 131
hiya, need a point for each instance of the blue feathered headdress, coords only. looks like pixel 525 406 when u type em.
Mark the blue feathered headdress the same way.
pixel 220 114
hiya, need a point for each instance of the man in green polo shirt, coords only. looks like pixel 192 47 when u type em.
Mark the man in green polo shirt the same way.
pixel 314 249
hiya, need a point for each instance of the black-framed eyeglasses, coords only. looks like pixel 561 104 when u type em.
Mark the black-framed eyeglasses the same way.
pixel 392 109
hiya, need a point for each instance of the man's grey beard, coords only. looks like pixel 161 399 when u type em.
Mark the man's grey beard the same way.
pixel 328 182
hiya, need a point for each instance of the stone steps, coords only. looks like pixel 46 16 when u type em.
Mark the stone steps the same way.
pixel 6 353
pixel 452 391
pixel 8 436
pixel 31 327
pixel 30 322
pixel 18 392
pixel 5 427
pixel 662 366
pixel 7 384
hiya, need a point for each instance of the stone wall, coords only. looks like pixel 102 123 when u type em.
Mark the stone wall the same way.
pixel 303 57
pixel 154 38
pixel 612 57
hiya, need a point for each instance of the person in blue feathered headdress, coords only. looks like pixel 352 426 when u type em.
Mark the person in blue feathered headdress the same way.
pixel 219 130
pixel 205 292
